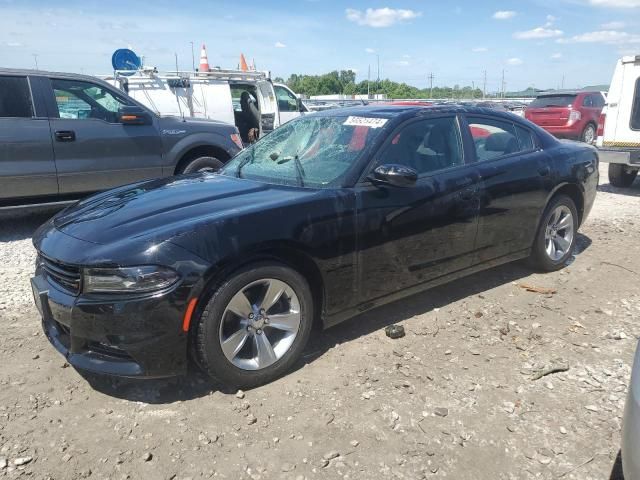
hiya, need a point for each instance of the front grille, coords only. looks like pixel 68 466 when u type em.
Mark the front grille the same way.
pixel 67 276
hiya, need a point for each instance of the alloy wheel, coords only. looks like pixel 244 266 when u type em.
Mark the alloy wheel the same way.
pixel 558 235
pixel 589 134
pixel 259 324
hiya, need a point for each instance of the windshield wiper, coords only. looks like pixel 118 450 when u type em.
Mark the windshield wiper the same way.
pixel 296 161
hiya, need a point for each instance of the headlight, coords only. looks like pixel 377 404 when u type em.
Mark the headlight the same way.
pixel 146 278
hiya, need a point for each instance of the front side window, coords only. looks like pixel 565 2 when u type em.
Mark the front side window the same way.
pixel 425 145
pixel 287 102
pixel 314 151
pixel 15 98
pixel 635 112
pixel 81 100
pixel 493 138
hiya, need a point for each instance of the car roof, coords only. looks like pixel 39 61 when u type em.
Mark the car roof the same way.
pixel 567 92
pixel 402 112
pixel 44 73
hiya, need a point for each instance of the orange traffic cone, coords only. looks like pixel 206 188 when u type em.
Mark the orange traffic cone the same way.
pixel 243 63
pixel 204 61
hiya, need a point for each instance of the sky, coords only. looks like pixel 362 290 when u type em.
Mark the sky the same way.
pixel 537 43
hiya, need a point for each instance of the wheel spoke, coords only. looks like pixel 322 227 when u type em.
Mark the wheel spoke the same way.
pixel 266 356
pixel 551 248
pixel 240 305
pixel 565 222
pixel 562 243
pixel 232 345
pixel 275 289
pixel 288 322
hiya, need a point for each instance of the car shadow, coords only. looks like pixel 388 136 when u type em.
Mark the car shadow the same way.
pixel 20 225
pixel 632 191
pixel 196 384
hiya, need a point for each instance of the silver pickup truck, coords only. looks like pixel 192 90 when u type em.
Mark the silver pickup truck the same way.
pixel 63 136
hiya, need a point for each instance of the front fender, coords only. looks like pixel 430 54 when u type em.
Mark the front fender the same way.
pixel 194 140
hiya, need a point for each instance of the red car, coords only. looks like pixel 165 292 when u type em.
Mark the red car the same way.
pixel 568 114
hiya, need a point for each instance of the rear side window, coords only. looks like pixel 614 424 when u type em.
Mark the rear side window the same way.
pixel 553 101
pixel 496 138
pixel 588 101
pixel 635 113
pixel 525 139
pixel 15 97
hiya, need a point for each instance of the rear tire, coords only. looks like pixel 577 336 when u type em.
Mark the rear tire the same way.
pixel 248 349
pixel 621 175
pixel 556 237
pixel 589 134
pixel 202 164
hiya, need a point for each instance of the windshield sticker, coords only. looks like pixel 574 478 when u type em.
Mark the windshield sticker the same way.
pixel 365 122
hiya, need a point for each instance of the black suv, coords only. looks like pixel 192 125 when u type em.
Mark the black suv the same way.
pixel 65 135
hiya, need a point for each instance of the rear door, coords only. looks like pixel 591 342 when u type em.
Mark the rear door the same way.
pixel 93 151
pixel 516 178
pixel 27 167
pixel 269 118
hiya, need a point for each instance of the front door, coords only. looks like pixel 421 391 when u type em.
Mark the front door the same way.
pixel 93 150
pixel 516 181
pixel 27 169
pixel 412 235
pixel 288 104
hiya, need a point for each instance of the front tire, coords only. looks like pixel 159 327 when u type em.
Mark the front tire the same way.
pixel 255 326
pixel 621 175
pixel 202 164
pixel 556 237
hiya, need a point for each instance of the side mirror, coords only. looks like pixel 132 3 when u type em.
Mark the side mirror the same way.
pixel 395 175
pixel 133 115
pixel 301 107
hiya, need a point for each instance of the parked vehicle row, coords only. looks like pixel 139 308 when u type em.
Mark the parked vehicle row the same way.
pixel 330 215
pixel 63 136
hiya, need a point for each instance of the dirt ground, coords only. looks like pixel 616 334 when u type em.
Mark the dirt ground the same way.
pixel 456 397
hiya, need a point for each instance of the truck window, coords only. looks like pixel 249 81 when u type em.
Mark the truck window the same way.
pixel 80 100
pixel 286 101
pixel 15 98
pixel 635 112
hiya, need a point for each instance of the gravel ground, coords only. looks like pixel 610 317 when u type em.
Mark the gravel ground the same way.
pixel 456 397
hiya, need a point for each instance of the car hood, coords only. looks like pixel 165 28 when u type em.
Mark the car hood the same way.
pixel 161 209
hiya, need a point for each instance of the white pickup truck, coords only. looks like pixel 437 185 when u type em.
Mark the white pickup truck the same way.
pixel 619 126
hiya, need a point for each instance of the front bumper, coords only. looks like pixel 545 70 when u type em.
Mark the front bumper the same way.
pixel 631 426
pixel 130 337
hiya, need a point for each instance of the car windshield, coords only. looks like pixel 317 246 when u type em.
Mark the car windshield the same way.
pixel 553 101
pixel 312 151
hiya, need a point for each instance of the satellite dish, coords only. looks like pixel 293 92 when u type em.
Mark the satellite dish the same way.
pixel 125 60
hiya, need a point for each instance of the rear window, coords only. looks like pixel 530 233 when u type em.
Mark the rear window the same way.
pixel 635 113
pixel 15 97
pixel 553 101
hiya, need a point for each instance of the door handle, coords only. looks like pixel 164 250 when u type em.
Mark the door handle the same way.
pixel 544 171
pixel 65 135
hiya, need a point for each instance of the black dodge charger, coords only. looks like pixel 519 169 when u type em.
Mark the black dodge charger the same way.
pixel 329 216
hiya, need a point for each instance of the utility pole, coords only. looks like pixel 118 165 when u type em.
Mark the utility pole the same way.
pixel 176 55
pixel 35 59
pixel 378 80
pixel 430 77
pixel 562 82
pixel 503 84
pixel 368 82
pixel 484 85
pixel 193 58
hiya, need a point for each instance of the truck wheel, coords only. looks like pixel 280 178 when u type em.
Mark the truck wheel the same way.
pixel 255 325
pixel 556 237
pixel 589 134
pixel 621 175
pixel 202 164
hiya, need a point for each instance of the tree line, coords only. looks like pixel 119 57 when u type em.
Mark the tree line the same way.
pixel 344 82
